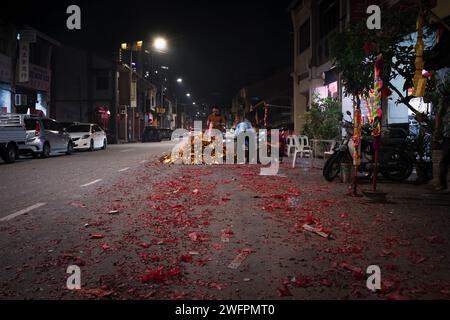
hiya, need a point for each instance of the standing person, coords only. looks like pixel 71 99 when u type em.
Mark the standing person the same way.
pixel 443 134
pixel 216 120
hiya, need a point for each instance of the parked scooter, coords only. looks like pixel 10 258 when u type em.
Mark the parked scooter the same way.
pixel 396 162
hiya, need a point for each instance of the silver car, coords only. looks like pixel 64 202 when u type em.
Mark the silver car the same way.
pixel 45 137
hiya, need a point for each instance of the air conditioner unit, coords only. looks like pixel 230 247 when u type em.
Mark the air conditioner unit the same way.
pixel 20 99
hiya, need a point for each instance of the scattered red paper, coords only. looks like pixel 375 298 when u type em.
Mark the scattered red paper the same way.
pixel 159 275
pixel 97 236
pixel 198 236
pixel 284 292
pixel 186 258
pixel 98 292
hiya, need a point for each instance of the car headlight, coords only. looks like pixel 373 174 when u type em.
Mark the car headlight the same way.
pixel 86 136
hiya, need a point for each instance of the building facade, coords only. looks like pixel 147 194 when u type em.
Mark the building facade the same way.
pixel 315 23
pixel 26 63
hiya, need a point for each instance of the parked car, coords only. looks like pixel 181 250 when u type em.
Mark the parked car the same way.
pixel 151 134
pixel 88 136
pixel 12 135
pixel 45 137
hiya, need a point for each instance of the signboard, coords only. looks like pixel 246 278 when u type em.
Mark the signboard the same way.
pixel 39 78
pixel 133 101
pixel 28 36
pixel 24 61
pixel 5 69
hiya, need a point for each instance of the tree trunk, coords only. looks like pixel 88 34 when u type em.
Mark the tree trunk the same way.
pixel 437 156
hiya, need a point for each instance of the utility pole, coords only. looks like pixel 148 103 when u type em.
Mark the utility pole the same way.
pixel 131 88
pixel 162 104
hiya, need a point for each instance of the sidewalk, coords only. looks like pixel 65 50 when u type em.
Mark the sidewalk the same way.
pixel 225 232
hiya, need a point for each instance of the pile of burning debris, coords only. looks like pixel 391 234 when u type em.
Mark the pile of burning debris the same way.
pixel 191 153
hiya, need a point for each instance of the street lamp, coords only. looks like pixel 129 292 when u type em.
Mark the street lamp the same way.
pixel 160 44
pixel 179 80
pixel 188 94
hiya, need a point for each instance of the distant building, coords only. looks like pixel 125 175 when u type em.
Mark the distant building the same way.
pixel 26 64
pixel 8 48
pixel 275 90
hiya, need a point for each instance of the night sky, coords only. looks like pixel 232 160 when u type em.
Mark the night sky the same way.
pixel 216 46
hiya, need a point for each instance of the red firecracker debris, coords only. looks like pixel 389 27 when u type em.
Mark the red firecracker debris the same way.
pixel 159 275
pixel 186 258
pixel 97 236
pixel 284 292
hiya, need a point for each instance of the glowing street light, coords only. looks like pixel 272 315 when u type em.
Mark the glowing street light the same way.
pixel 179 80
pixel 160 44
pixel 188 94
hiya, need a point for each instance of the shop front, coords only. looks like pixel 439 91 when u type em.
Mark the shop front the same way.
pixel 33 96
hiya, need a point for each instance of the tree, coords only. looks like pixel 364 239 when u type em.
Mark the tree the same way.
pixel 354 52
pixel 322 121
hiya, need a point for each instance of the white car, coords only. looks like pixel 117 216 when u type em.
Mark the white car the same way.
pixel 87 136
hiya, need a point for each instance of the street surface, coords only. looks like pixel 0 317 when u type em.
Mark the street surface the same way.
pixel 139 229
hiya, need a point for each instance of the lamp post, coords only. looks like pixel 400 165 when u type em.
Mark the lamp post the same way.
pixel 159 45
pixel 137 45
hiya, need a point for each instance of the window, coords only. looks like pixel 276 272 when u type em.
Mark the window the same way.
pixel 102 83
pixel 329 16
pixel 304 37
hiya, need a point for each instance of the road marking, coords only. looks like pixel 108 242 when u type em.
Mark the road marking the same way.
pixel 91 183
pixel 144 161
pixel 23 211
pixel 124 169
pixel 127 150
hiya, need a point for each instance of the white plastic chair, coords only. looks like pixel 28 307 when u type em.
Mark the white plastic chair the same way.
pixel 330 152
pixel 290 144
pixel 303 148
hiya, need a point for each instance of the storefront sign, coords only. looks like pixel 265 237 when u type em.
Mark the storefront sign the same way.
pixel 28 36
pixel 133 95
pixel 39 78
pixel 24 61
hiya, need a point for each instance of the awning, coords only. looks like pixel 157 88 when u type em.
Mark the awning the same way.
pixel 329 77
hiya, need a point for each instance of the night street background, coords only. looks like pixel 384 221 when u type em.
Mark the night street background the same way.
pixel 140 227
pixel 217 46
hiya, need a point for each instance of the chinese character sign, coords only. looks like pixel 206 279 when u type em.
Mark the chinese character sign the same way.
pixel 24 61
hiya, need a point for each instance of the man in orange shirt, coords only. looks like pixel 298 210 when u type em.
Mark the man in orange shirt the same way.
pixel 216 120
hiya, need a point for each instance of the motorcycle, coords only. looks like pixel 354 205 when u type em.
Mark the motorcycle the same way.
pixel 395 160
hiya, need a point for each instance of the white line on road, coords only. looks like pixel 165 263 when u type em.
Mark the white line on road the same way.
pixel 23 211
pixel 144 161
pixel 127 150
pixel 91 183
pixel 124 169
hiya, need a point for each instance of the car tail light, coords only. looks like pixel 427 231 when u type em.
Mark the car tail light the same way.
pixel 37 129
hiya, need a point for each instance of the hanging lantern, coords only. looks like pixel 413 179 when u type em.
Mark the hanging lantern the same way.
pixel 419 81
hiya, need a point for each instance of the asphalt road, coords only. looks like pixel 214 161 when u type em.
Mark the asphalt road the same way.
pixel 38 184
pixel 140 229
